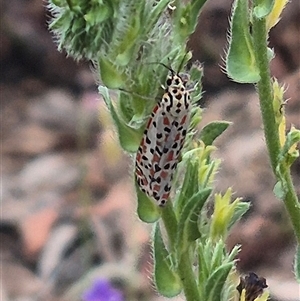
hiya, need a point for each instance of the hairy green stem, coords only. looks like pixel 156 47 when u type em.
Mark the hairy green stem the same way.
pixel 185 266
pixel 260 36
pixel 170 222
pixel 265 91
pixel 188 278
pixel 292 204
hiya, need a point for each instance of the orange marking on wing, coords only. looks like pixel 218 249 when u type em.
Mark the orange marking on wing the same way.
pixel 155 109
pixel 166 121
pixel 183 120
pixel 164 174
pixel 177 137
pixel 170 156
pixel 166 196
pixel 156 187
pixel 156 158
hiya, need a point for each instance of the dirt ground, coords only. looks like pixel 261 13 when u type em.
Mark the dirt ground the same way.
pixel 68 203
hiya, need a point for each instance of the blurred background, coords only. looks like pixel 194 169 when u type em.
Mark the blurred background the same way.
pixel 68 204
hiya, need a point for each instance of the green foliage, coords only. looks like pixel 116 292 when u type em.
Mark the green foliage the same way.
pixel 240 209
pixel 248 61
pixel 147 210
pixel 263 8
pixel 189 229
pixel 129 138
pixel 224 213
pixel 288 154
pixel 188 221
pixel 167 281
pixel 241 64
pixel 215 268
pixel 110 75
pixel 76 24
pixel 128 42
pixel 213 130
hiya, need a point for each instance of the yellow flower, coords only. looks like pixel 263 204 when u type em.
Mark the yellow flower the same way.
pixel 207 168
pixel 223 213
pixel 278 106
pixel 281 130
pixel 278 101
pixel 274 17
pixel 293 148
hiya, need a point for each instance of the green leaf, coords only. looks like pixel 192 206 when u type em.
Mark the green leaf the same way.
pixel 125 50
pixel 170 223
pixel 125 107
pixel 297 264
pixel 188 222
pixel 58 3
pixel 216 258
pixel 166 279
pixel 147 210
pixel 186 18
pixel 240 61
pixel 240 209
pixel 110 75
pixel 196 73
pixel 195 10
pixel 213 130
pixel 197 5
pixel 215 283
pixel 183 24
pixel 292 138
pixel 98 14
pixel 152 14
pixel 288 154
pixel 128 137
pixel 279 191
pixel 190 184
pixel 263 8
pixel 204 271
pixel 270 54
pixel 234 252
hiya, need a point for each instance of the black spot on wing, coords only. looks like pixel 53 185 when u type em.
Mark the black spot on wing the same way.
pixel 148 141
pixel 167 166
pixel 157 168
pixel 167 188
pixel 159 135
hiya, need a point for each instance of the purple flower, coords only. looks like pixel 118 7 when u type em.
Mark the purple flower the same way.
pixel 102 290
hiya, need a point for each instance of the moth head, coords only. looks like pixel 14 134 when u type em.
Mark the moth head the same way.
pixel 176 100
pixel 177 80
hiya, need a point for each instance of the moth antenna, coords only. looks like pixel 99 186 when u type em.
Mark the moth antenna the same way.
pixel 167 67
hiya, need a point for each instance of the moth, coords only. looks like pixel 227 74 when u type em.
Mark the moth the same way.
pixel 163 139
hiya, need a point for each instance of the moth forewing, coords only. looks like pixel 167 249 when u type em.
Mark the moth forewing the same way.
pixel 163 139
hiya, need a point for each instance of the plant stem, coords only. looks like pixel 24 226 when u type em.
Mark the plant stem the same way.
pixel 170 222
pixel 292 204
pixel 185 267
pixel 260 36
pixel 265 91
pixel 188 278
